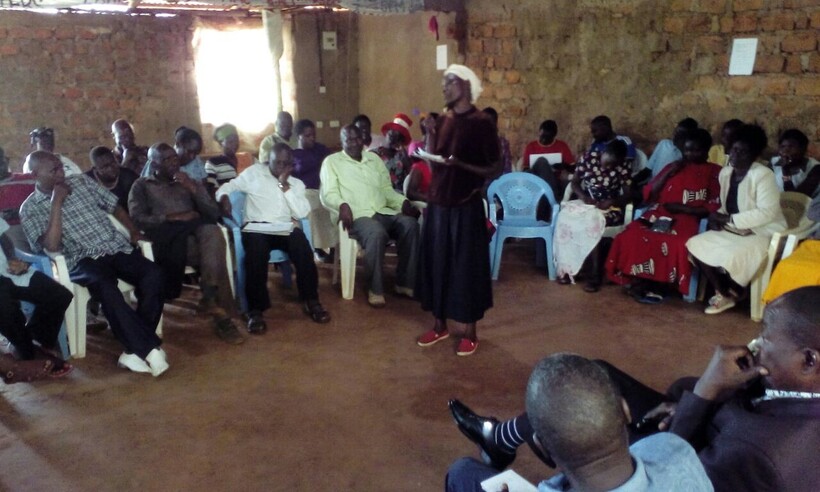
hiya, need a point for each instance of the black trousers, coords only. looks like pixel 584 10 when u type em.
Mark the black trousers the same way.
pixel 257 252
pixel 136 330
pixel 50 301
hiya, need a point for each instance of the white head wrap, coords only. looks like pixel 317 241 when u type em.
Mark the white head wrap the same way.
pixel 465 73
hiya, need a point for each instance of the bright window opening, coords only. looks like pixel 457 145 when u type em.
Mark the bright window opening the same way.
pixel 235 78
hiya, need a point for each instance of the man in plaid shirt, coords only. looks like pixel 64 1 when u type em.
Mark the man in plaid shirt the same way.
pixel 68 216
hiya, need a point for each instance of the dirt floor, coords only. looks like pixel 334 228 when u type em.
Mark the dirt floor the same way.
pixel 353 405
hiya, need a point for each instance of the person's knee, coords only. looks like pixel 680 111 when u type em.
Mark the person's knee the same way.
pixel 152 274
pixel 466 475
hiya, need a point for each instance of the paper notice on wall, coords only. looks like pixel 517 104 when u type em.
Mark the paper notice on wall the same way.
pixel 441 57
pixel 742 61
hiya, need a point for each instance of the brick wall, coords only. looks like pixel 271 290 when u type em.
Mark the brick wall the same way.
pixel 647 64
pixel 78 73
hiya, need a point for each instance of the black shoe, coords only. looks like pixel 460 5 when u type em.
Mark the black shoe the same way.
pixel 480 430
pixel 256 324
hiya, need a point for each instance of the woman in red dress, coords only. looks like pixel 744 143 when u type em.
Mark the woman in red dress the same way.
pixel 651 252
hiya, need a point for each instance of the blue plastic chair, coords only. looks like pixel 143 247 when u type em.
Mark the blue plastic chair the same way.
pixel 694 278
pixel 42 264
pixel 277 256
pixel 519 194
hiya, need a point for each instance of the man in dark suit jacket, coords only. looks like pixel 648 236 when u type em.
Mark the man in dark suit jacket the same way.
pixel 753 416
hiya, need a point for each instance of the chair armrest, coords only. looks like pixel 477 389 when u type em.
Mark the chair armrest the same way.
pixel 40 263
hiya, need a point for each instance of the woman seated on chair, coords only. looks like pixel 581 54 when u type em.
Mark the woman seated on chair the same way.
pixel 732 251
pixel 601 184
pixel 651 252
pixel 307 162
pixel 794 170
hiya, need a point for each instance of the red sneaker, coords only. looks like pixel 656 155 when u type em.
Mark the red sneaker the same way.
pixel 466 347
pixel 431 338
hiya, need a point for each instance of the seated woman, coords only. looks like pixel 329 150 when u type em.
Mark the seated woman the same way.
pixel 601 184
pixel 394 151
pixel 223 168
pixel 307 162
pixel 648 255
pixel 732 251
pixel 421 174
pixel 792 168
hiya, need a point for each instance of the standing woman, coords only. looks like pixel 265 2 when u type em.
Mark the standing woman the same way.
pixel 750 209
pixel 454 280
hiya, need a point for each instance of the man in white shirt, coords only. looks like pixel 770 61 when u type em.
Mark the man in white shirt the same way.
pixel 274 197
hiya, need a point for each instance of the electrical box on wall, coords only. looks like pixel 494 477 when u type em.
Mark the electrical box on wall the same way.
pixel 328 40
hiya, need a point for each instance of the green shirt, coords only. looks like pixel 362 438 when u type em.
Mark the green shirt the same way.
pixel 364 185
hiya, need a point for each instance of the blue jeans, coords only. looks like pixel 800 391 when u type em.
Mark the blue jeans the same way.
pixel 466 475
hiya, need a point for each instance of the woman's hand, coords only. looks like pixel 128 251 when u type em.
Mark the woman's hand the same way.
pixel 718 220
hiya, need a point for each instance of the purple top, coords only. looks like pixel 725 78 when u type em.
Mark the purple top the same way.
pixel 307 163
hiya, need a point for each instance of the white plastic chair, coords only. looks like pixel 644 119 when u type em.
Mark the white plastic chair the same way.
pixel 76 312
pixel 794 206
pixel 346 255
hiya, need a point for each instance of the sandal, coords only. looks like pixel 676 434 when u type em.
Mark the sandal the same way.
pixel 26 370
pixel 316 312
pixel 650 298
pixel 59 367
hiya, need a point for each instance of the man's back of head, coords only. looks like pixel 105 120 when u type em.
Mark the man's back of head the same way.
pixel 575 410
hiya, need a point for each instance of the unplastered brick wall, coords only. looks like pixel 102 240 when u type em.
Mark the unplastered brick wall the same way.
pixel 78 73
pixel 646 64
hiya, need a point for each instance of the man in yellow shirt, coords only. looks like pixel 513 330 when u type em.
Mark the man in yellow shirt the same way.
pixel 283 134
pixel 356 185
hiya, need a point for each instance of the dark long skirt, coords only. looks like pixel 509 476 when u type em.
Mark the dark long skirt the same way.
pixel 454 269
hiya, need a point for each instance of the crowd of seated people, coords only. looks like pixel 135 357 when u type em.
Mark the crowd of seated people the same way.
pixel 176 199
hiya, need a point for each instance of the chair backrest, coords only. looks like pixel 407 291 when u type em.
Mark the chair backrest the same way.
pixel 519 194
pixel 794 206
pixel 640 161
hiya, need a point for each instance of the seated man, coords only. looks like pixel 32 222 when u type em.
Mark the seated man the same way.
pixel 127 153
pixel 752 416
pixel 356 185
pixel 188 146
pixel 20 283
pixel 283 134
pixel 590 446
pixel 274 196
pixel 14 189
pixel 108 174
pixel 69 216
pixel 179 216
pixel 602 133
pixel 43 139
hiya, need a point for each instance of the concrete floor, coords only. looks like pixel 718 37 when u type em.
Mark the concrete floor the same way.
pixel 352 405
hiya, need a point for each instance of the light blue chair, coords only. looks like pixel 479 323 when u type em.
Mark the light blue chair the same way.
pixel 519 194
pixel 42 263
pixel 277 256
pixel 694 278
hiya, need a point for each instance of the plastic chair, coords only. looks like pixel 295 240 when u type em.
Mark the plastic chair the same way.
pixel 794 206
pixel 519 194
pixel 277 256
pixel 42 263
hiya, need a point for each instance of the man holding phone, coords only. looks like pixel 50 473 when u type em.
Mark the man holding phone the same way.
pixel 753 416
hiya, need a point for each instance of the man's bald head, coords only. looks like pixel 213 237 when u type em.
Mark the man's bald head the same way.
pixel 575 410
pixel 40 159
pixel 798 312
pixel 123 133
